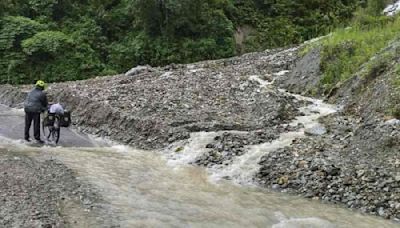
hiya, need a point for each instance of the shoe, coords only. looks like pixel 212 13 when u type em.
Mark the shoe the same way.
pixel 39 141
pixel 28 140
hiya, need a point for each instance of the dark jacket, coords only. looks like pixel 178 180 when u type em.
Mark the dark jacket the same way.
pixel 36 101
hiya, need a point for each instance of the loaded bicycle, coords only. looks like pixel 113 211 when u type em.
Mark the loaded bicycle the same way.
pixel 54 119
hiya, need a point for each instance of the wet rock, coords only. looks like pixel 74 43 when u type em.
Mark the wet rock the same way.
pixel 315 130
pixel 392 122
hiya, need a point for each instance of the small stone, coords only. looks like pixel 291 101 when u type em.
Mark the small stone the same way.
pixel 302 164
pixel 283 180
pixel 381 211
pixel 360 173
pixel 209 146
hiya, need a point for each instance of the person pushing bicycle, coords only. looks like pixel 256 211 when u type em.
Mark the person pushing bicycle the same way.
pixel 35 103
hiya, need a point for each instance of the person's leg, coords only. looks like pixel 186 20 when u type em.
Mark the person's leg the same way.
pixel 28 122
pixel 36 125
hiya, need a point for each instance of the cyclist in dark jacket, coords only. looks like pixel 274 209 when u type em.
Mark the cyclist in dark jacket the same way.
pixel 35 103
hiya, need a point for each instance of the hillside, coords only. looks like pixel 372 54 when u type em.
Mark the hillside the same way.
pixel 73 40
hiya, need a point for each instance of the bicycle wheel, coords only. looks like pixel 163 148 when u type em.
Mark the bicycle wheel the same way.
pixel 50 129
pixel 56 135
pixel 56 130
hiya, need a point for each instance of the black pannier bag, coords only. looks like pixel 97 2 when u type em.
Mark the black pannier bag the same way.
pixel 65 119
pixel 49 119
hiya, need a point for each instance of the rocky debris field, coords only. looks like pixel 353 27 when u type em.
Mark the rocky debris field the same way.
pixel 349 165
pixel 44 193
pixel 153 107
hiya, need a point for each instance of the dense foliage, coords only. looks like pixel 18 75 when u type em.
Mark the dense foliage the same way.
pixel 346 50
pixel 58 40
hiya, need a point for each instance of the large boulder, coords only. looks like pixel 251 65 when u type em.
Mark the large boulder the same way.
pixel 138 70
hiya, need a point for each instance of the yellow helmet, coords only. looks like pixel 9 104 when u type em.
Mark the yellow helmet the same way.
pixel 41 84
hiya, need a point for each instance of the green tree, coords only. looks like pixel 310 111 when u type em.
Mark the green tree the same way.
pixel 13 30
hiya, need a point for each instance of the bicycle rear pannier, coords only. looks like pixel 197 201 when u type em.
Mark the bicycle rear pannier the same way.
pixel 49 119
pixel 65 120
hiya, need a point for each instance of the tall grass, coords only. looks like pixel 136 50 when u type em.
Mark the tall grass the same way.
pixel 347 49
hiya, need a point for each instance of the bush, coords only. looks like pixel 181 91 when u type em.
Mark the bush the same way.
pixel 48 42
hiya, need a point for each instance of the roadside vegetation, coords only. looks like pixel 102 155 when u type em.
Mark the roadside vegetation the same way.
pixel 348 49
pixel 60 40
